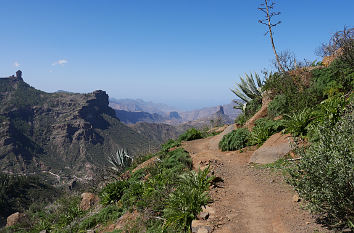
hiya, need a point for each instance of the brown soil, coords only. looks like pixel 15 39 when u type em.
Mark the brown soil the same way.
pixel 250 199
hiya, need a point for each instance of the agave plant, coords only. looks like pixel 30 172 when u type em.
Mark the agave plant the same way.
pixel 120 160
pixel 248 89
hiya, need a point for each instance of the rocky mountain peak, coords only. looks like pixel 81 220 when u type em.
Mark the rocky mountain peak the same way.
pixel 220 110
pixel 19 75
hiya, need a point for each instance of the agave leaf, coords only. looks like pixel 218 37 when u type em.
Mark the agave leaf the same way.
pixel 251 84
pixel 120 160
pixel 247 92
pixel 259 81
pixel 240 95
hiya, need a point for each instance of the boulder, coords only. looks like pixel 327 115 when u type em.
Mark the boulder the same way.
pixel 88 200
pixel 14 219
pixel 276 147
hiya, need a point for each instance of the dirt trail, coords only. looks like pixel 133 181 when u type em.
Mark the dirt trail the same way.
pixel 251 199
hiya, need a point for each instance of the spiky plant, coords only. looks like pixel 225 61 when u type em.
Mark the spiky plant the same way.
pixel 120 160
pixel 248 89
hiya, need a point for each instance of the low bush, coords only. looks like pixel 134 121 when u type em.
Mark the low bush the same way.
pixel 162 178
pixel 60 216
pixel 18 193
pixel 296 123
pixel 338 77
pixel 191 134
pixel 112 192
pixel 105 215
pixel 324 175
pixel 295 90
pixel 235 140
pixel 278 106
pixel 328 112
pixel 185 203
pixel 241 119
pixel 170 144
pixel 252 107
pixel 263 129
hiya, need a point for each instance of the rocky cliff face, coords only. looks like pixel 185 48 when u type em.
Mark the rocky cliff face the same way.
pixel 65 134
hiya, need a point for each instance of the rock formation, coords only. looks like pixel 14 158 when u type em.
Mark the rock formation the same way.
pixel 64 134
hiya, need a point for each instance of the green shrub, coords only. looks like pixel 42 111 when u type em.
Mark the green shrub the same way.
pixel 263 129
pixel 295 90
pixel 132 194
pixel 241 119
pixel 324 176
pixel 338 77
pixel 328 112
pixel 69 210
pixel 280 84
pixel 191 134
pixel 278 106
pixel 185 203
pixel 170 144
pixel 112 192
pixel 235 140
pixel 109 213
pixel 163 177
pixel 18 193
pixel 296 123
pixel 252 107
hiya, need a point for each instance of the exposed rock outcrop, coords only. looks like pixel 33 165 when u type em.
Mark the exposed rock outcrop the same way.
pixel 174 115
pixel 88 200
pixel 266 99
pixel 276 147
pixel 14 219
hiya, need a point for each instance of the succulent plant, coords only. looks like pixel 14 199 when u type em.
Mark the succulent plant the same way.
pixel 120 160
pixel 248 89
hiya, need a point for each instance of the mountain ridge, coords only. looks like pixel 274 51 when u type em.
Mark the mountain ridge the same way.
pixel 64 133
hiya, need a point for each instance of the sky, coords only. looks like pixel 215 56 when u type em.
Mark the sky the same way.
pixel 184 53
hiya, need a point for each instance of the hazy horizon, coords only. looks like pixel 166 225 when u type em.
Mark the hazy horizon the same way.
pixel 186 54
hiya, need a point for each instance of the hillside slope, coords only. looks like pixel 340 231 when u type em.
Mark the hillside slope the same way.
pixel 63 133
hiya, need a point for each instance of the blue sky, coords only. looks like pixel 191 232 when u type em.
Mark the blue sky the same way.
pixel 185 53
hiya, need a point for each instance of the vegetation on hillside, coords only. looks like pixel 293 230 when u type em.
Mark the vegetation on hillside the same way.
pixel 166 195
pixel 18 193
pixel 189 135
pixel 235 140
pixel 314 104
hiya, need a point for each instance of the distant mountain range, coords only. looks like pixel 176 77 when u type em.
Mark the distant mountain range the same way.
pixel 131 111
pixel 139 105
